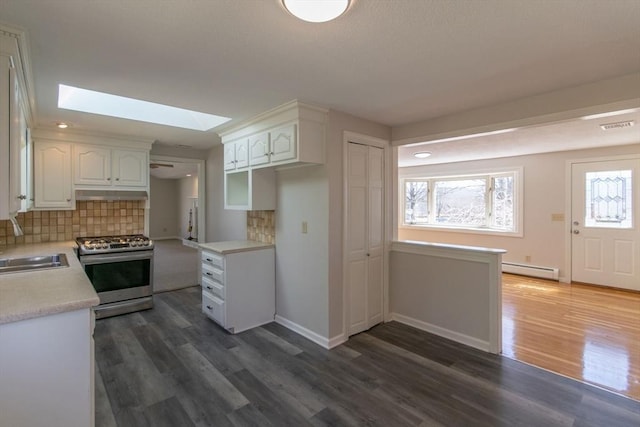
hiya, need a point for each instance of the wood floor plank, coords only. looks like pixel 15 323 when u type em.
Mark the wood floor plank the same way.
pixel 172 365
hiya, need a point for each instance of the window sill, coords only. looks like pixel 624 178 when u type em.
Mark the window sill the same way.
pixel 483 231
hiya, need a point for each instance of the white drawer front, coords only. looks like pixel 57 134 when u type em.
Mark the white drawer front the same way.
pixel 213 273
pixel 213 288
pixel 213 307
pixel 211 259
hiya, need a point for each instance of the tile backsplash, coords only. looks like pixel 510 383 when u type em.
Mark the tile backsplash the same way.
pixel 261 226
pixel 91 218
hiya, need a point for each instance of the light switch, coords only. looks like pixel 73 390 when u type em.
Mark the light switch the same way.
pixel 304 227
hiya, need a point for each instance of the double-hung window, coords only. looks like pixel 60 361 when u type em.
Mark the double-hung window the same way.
pixel 479 202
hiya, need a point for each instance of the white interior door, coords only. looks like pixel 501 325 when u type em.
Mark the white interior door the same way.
pixel 365 236
pixel 605 203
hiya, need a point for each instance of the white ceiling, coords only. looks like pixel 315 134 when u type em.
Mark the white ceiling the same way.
pixel 392 62
pixel 173 169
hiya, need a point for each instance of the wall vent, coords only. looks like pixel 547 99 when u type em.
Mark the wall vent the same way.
pixel 617 125
pixel 551 273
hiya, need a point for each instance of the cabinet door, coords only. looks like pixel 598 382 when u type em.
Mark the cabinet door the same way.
pixel 130 168
pixel 259 149
pixel 52 175
pixel 283 144
pixel 16 141
pixel 242 154
pixel 229 156
pixel 92 165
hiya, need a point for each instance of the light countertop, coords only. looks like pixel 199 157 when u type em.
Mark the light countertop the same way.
pixel 233 246
pixel 29 294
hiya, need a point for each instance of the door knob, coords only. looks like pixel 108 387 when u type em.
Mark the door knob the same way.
pixel 576 231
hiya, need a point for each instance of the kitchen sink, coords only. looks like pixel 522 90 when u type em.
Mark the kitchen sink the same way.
pixel 11 265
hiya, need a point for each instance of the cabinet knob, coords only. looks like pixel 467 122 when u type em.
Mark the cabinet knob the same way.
pixel 22 197
pixel 117 179
pixel 208 274
pixel 209 287
pixel 209 307
pixel 68 200
pixel 109 179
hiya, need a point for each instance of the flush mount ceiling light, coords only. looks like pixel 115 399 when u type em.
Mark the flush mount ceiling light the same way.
pixel 421 154
pixel 316 10
pixel 609 114
pixel 62 125
pixel 106 104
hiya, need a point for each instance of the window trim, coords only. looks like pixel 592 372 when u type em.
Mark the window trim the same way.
pixel 518 174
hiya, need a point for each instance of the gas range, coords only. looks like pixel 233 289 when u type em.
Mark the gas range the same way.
pixel 111 244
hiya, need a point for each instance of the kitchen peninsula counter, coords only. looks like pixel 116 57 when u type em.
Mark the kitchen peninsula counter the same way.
pixel 30 294
pixel 233 246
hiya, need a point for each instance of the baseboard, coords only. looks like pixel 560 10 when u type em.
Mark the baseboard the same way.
pixel 166 238
pixel 327 343
pixel 442 332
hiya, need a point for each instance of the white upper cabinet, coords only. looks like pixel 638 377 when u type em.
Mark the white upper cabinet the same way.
pixel 130 168
pixel 292 134
pixel 106 167
pixel 259 149
pixel 236 155
pixel 52 175
pixel 14 117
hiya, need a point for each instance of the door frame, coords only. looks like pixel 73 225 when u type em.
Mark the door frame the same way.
pixel 385 145
pixel 567 278
pixel 202 202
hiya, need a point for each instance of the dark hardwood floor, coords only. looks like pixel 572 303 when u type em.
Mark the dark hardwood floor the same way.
pixel 171 366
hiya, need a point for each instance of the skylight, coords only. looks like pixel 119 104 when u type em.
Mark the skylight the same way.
pixel 89 101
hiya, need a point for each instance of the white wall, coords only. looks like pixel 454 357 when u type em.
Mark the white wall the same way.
pixel 163 215
pixel 222 224
pixel 544 194
pixel 301 259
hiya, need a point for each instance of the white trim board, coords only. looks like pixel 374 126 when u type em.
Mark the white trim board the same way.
pixel 327 343
pixel 442 332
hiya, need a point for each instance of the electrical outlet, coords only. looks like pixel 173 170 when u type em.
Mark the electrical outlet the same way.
pixel 304 227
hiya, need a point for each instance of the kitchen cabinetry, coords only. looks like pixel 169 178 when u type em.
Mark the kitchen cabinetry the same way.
pixel 52 175
pixel 273 147
pixel 14 166
pixel 292 134
pixel 236 155
pixel 99 166
pixel 47 370
pixel 238 285
pixel 251 189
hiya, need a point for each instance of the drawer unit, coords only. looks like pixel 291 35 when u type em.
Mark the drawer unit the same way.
pixel 212 260
pixel 214 308
pixel 214 288
pixel 238 288
pixel 212 273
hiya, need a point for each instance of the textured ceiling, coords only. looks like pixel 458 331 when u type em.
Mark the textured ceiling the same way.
pixel 392 62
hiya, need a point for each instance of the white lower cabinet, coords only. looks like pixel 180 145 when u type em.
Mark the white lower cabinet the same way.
pixel 238 288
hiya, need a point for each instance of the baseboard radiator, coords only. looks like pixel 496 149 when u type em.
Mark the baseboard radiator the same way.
pixel 531 270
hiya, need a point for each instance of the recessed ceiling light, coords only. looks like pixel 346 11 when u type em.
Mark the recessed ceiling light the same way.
pixel 62 125
pixel 188 174
pixel 421 154
pixel 89 101
pixel 316 10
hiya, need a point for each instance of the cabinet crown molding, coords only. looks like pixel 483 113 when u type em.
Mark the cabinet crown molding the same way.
pixel 110 141
pixel 286 113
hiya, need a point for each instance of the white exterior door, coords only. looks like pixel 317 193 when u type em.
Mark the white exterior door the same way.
pixel 605 204
pixel 365 240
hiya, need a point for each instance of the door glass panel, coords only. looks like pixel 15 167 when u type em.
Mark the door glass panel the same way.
pixel 608 199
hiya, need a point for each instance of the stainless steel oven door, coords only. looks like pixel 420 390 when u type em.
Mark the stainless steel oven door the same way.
pixel 120 276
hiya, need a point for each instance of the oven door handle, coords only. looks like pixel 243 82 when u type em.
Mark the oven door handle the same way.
pixel 103 259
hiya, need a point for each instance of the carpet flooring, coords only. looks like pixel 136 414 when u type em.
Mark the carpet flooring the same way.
pixel 175 266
